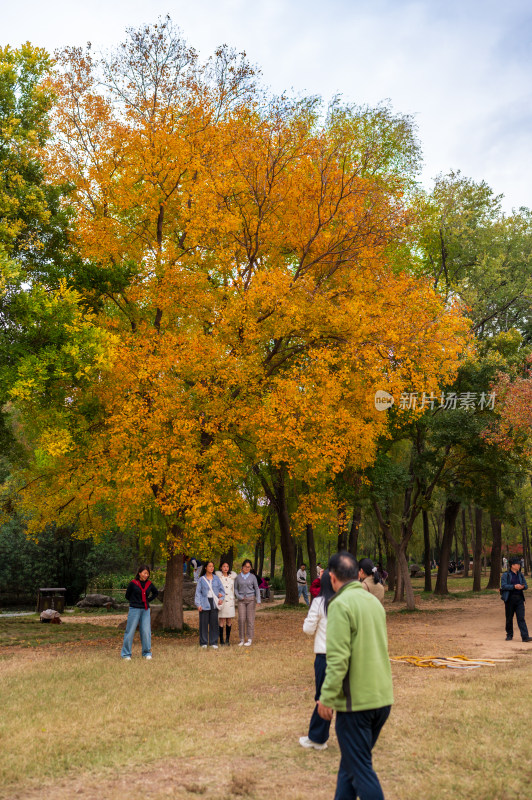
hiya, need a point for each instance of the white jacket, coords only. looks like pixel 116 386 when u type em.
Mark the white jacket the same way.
pixel 227 610
pixel 316 623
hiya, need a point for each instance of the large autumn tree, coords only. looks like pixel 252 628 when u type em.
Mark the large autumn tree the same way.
pixel 247 257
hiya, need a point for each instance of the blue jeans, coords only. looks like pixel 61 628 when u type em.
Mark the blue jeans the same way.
pixel 357 732
pixel 140 617
pixel 302 590
pixel 318 730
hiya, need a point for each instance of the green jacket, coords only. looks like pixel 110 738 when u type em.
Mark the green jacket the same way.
pixel 358 674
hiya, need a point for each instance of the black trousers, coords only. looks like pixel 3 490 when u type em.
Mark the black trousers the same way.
pixel 208 625
pixel 357 732
pixel 516 605
pixel 318 730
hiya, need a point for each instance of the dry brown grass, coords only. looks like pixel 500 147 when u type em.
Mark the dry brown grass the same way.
pixel 79 722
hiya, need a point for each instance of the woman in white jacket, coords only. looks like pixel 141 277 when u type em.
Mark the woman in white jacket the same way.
pixel 226 613
pixel 316 623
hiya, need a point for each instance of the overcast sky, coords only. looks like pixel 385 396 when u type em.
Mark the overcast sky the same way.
pixel 463 68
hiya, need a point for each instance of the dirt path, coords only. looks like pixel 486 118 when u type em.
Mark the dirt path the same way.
pixel 472 627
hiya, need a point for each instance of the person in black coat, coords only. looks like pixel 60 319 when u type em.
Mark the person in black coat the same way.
pixel 139 593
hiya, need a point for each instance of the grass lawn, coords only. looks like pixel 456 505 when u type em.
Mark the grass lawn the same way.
pixel 31 632
pixel 79 722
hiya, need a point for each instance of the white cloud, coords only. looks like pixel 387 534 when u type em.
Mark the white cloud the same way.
pixel 462 68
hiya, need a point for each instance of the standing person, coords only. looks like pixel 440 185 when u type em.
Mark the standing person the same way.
pixel 513 584
pixel 197 567
pixel 302 583
pixel 358 680
pixel 368 575
pixel 247 593
pixel 226 612
pixel 316 623
pixel 315 586
pixel 209 594
pixel 139 593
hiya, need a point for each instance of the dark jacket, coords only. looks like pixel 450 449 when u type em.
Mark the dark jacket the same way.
pixel 134 595
pixel 507 587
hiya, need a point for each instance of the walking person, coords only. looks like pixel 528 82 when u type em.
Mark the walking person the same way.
pixel 368 575
pixel 513 584
pixel 316 623
pixel 247 593
pixel 226 612
pixel 358 679
pixel 139 593
pixel 302 583
pixel 209 594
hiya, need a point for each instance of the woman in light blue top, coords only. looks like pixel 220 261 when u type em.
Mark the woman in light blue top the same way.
pixel 209 594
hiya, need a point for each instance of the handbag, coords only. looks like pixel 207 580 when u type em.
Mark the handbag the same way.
pixel 218 601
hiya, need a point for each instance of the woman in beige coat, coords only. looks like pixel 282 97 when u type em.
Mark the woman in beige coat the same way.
pixel 368 575
pixel 226 613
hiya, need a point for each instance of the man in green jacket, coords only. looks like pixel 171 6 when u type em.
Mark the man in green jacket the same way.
pixel 358 680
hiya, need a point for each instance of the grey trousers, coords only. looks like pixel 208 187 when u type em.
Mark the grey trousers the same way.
pixel 246 614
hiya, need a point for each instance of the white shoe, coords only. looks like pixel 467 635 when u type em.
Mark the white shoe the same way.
pixel 214 646
pixel 241 642
pixel 147 658
pixel 126 658
pixel 304 741
pixel 203 646
pixel 247 644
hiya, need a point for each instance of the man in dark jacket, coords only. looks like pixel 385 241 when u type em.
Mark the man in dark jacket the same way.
pixel 513 584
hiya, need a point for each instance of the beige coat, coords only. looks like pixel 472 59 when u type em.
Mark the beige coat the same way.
pixel 227 610
pixel 374 588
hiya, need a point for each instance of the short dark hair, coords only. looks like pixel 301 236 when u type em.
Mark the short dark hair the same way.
pixel 302 565
pixel 247 561
pixel 344 566
pixel 515 560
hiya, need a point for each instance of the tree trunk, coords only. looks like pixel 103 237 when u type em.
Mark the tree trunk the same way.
pixel 465 548
pixel 311 550
pixel 229 557
pixel 354 529
pixel 526 546
pixel 496 553
pixel 273 553
pixel 426 544
pixel 405 580
pixel 390 565
pixel 342 528
pixel 477 550
pixel 452 507
pixel 172 612
pixel 287 542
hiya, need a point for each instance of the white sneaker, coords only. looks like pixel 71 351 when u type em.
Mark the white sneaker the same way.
pixel 247 644
pixel 241 642
pixel 147 658
pixel 203 646
pixel 126 658
pixel 214 646
pixel 304 741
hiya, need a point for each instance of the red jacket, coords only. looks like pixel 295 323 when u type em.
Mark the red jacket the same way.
pixel 315 587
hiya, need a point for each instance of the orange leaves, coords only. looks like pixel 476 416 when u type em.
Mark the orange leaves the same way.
pixel 262 308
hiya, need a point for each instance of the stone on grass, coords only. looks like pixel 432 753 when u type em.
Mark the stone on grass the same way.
pixel 49 615
pixel 97 601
